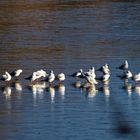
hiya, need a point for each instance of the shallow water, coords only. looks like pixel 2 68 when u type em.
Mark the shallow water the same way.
pixel 67 36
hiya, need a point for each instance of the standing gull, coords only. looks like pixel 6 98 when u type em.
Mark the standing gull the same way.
pixel 105 69
pixel 78 74
pixel 16 73
pixel 124 66
pixel 51 77
pixel 6 77
pixel 60 77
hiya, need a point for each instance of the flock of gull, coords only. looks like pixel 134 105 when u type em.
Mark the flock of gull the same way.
pixel 90 78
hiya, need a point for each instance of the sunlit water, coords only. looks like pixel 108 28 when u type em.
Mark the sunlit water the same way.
pixel 66 37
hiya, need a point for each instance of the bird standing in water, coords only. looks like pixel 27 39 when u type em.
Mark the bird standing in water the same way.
pixel 16 73
pixel 60 77
pixel 51 77
pixel 124 66
pixel 6 77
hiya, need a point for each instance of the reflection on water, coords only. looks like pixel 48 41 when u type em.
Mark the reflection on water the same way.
pixel 65 36
pixel 38 88
pixel 91 91
pixel 7 92
pixel 52 94
pixel 137 89
pixel 61 90
pixel 128 87
pixel 77 84
pixel 106 90
pixel 18 87
pixel 131 88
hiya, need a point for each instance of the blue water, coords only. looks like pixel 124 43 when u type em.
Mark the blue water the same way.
pixel 66 38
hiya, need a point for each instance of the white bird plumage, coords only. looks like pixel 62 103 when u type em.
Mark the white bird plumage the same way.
pixel 78 74
pixel 128 74
pixel 51 77
pixel 105 69
pixel 124 66
pixel 7 92
pixel 90 72
pixel 61 77
pixel 18 72
pixel 91 79
pixel 136 77
pixel 35 76
pixel 106 77
pixel 6 76
pixel 38 75
pixel 38 87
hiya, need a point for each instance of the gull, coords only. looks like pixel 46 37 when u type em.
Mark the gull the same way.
pixel 104 78
pixel 106 66
pixel 105 69
pixel 6 77
pixel 78 74
pixel 51 77
pixel 136 77
pixel 37 75
pixel 124 66
pixel 42 73
pixel 16 73
pixel 127 75
pixel 61 77
pixel 91 79
pixel 90 72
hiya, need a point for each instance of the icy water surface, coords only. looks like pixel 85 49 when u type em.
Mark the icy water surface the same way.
pixel 65 36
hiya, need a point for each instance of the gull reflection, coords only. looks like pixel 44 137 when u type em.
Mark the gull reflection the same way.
pixel 77 84
pixel 106 90
pixel 7 92
pixel 18 87
pixel 128 87
pixel 92 91
pixel 38 89
pixel 106 82
pixel 52 93
pixel 137 89
pixel 61 90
